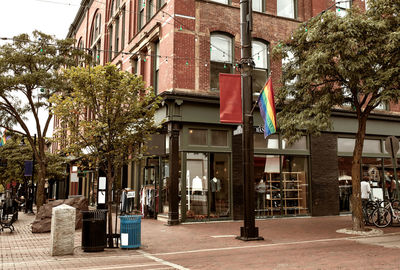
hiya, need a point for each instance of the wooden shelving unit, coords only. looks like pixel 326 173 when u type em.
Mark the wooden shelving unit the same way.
pixel 286 196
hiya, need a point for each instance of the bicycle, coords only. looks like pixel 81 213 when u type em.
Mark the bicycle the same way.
pixel 385 215
pixel 368 209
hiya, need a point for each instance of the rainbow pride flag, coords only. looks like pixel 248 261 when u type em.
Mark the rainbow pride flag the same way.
pixel 266 103
pixel 4 138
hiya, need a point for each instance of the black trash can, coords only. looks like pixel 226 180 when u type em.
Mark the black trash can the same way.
pixel 94 224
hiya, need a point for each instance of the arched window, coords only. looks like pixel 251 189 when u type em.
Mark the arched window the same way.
pixel 261 68
pixel 96 28
pixel 221 58
pixel 95 40
pixel 81 47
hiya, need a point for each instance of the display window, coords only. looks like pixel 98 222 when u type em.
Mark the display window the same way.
pixel 207 186
pixel 281 185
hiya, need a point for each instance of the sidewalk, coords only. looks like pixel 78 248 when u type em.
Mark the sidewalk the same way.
pixel 290 243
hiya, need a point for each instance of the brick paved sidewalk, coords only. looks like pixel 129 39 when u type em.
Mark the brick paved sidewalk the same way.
pixel 168 247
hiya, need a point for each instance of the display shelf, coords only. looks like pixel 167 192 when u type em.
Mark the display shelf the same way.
pixel 286 195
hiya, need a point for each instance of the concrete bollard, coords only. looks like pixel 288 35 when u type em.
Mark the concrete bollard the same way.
pixel 62 230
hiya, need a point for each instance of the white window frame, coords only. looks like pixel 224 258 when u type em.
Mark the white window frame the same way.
pixel 284 7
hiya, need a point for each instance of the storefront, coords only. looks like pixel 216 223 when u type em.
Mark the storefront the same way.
pixel 281 176
pixel 376 168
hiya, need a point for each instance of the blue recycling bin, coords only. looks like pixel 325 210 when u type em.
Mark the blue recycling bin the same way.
pixel 130 231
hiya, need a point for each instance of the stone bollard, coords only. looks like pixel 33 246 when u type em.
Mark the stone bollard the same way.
pixel 62 230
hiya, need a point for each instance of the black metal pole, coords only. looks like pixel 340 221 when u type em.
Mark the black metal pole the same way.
pixel 249 231
pixel 173 183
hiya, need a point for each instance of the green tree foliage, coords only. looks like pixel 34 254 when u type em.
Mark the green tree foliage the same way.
pixel 29 74
pixel 107 116
pixel 349 62
pixel 13 156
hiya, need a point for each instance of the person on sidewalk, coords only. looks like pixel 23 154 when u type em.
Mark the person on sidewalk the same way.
pixel 365 191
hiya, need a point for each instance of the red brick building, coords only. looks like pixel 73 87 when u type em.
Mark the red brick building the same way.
pixel 179 48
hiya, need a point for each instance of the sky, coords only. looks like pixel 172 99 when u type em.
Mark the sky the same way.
pixel 52 17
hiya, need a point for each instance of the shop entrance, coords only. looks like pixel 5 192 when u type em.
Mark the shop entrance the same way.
pixel 206 185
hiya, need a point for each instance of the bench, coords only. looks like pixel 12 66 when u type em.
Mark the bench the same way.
pixel 7 223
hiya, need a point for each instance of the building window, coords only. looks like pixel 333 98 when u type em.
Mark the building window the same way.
pixel 141 15
pixel 260 71
pixel 219 138
pixel 286 8
pixel 135 65
pixel 96 29
pixel 156 65
pixel 198 136
pixel 123 29
pixel 342 6
pixel 258 5
pixel 226 2
pixel 150 12
pixel 221 58
pixel 116 43
pixel 110 46
pixel 160 3
pixel 81 60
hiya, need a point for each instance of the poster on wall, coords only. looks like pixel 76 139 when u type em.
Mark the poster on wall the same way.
pixel 102 183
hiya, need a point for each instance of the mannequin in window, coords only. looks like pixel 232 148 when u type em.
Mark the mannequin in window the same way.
pixel 197 184
pixel 215 185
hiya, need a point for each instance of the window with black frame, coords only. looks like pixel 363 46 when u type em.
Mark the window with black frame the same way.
pixel 221 58
pixel 261 68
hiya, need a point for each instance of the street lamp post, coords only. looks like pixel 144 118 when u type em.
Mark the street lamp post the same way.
pixel 248 232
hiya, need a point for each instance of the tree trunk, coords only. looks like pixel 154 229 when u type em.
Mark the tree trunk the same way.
pixel 40 195
pixel 110 180
pixel 357 215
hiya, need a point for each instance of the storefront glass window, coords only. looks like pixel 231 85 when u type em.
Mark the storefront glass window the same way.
pixel 219 185
pixel 301 144
pixel 281 191
pixel 196 185
pixel 344 181
pixel 219 138
pixel 372 172
pixel 198 136
pixel 346 144
pixel 272 142
pixel 207 185
pixel 164 185
pixel 389 176
pixel 372 146
pixel 294 185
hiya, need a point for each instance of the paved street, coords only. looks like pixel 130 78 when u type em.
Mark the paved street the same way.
pixel 290 243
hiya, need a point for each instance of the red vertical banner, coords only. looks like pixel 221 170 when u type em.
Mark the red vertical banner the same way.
pixel 230 95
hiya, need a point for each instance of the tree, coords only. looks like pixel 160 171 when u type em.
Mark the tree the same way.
pixel 337 61
pixel 107 117
pixel 13 155
pixel 29 75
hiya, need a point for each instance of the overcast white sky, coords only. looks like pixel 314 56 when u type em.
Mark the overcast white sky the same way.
pixel 49 16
